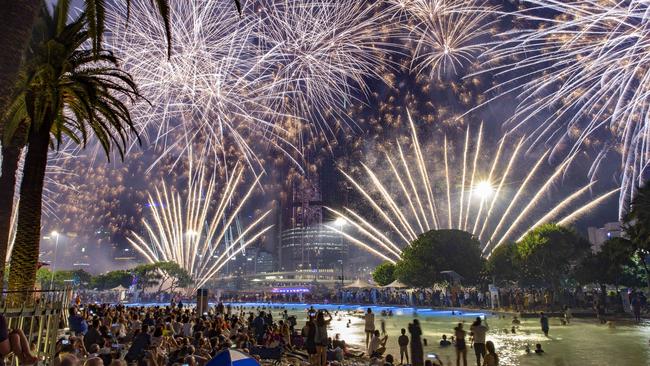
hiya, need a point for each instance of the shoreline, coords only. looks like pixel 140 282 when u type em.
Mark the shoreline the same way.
pixel 576 313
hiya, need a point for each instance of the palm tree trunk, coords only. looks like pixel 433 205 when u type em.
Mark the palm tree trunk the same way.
pixel 16 22
pixel 10 158
pixel 24 256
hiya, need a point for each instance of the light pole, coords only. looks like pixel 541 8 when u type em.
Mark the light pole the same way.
pixel 54 234
pixel 340 222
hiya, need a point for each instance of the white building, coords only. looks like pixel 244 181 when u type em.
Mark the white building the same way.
pixel 597 236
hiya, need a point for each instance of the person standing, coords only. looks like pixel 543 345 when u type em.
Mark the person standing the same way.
pixel 417 353
pixel 369 319
pixel 461 347
pixel 479 332
pixel 543 321
pixel 321 338
pixel 567 314
pixel 636 307
pixel 403 342
pixel 309 334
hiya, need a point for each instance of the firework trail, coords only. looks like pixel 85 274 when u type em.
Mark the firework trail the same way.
pixel 56 181
pixel 443 36
pixel 485 194
pixel 196 228
pixel 581 70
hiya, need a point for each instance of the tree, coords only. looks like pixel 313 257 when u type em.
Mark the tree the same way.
pixel 64 91
pixel 548 253
pixel 384 273
pixel 61 279
pixel 112 279
pixel 637 227
pixel 610 265
pixel 502 265
pixel 167 276
pixel 439 250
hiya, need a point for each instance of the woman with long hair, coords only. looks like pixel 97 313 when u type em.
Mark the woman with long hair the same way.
pixel 417 353
pixel 491 359
pixel 321 338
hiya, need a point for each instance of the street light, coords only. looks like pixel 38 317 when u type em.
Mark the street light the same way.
pixel 54 234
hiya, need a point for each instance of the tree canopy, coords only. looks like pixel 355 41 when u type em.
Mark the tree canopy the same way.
pixel 637 227
pixel 435 251
pixel 167 276
pixel 502 265
pixel 384 273
pixel 548 253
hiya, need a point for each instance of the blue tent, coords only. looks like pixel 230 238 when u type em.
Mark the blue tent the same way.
pixel 231 357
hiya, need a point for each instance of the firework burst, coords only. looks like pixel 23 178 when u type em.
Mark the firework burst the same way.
pixel 212 88
pixel 321 55
pixel 582 69
pixel 199 228
pixel 481 192
pixel 444 36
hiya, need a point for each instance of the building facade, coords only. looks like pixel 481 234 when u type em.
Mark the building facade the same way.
pixel 597 236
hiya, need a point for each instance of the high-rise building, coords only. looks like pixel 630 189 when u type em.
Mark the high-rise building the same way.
pixel 314 247
pixel 308 244
pixel 597 236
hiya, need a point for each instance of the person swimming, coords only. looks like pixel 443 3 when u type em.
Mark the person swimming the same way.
pixel 444 342
pixel 538 349
pixel 516 320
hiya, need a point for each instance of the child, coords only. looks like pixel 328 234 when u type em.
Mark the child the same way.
pixel 403 342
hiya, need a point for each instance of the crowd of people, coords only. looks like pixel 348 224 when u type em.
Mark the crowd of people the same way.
pixel 178 335
pixel 511 299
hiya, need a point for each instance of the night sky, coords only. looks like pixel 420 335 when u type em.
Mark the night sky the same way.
pixel 97 203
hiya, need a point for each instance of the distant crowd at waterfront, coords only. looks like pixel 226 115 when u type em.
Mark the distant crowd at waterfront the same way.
pixel 511 299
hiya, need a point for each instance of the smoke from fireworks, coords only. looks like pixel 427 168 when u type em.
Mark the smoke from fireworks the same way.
pixel 582 70
pixel 199 227
pixel 497 196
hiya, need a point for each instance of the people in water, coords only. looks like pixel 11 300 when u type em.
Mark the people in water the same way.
pixel 444 342
pixel 538 349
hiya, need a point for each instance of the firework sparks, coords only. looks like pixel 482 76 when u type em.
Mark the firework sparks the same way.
pixel 198 229
pixel 212 89
pixel 56 182
pixel 493 202
pixel 321 55
pixel 444 36
pixel 583 70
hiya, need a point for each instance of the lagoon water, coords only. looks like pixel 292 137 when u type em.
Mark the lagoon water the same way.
pixel 583 342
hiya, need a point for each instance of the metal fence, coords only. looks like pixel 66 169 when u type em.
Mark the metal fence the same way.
pixel 39 316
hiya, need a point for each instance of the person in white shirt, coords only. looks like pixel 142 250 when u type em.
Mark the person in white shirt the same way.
pixel 369 319
pixel 479 332
pixel 377 345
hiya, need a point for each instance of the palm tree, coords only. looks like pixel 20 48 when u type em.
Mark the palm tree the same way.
pixel 637 226
pixel 18 19
pixel 64 91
